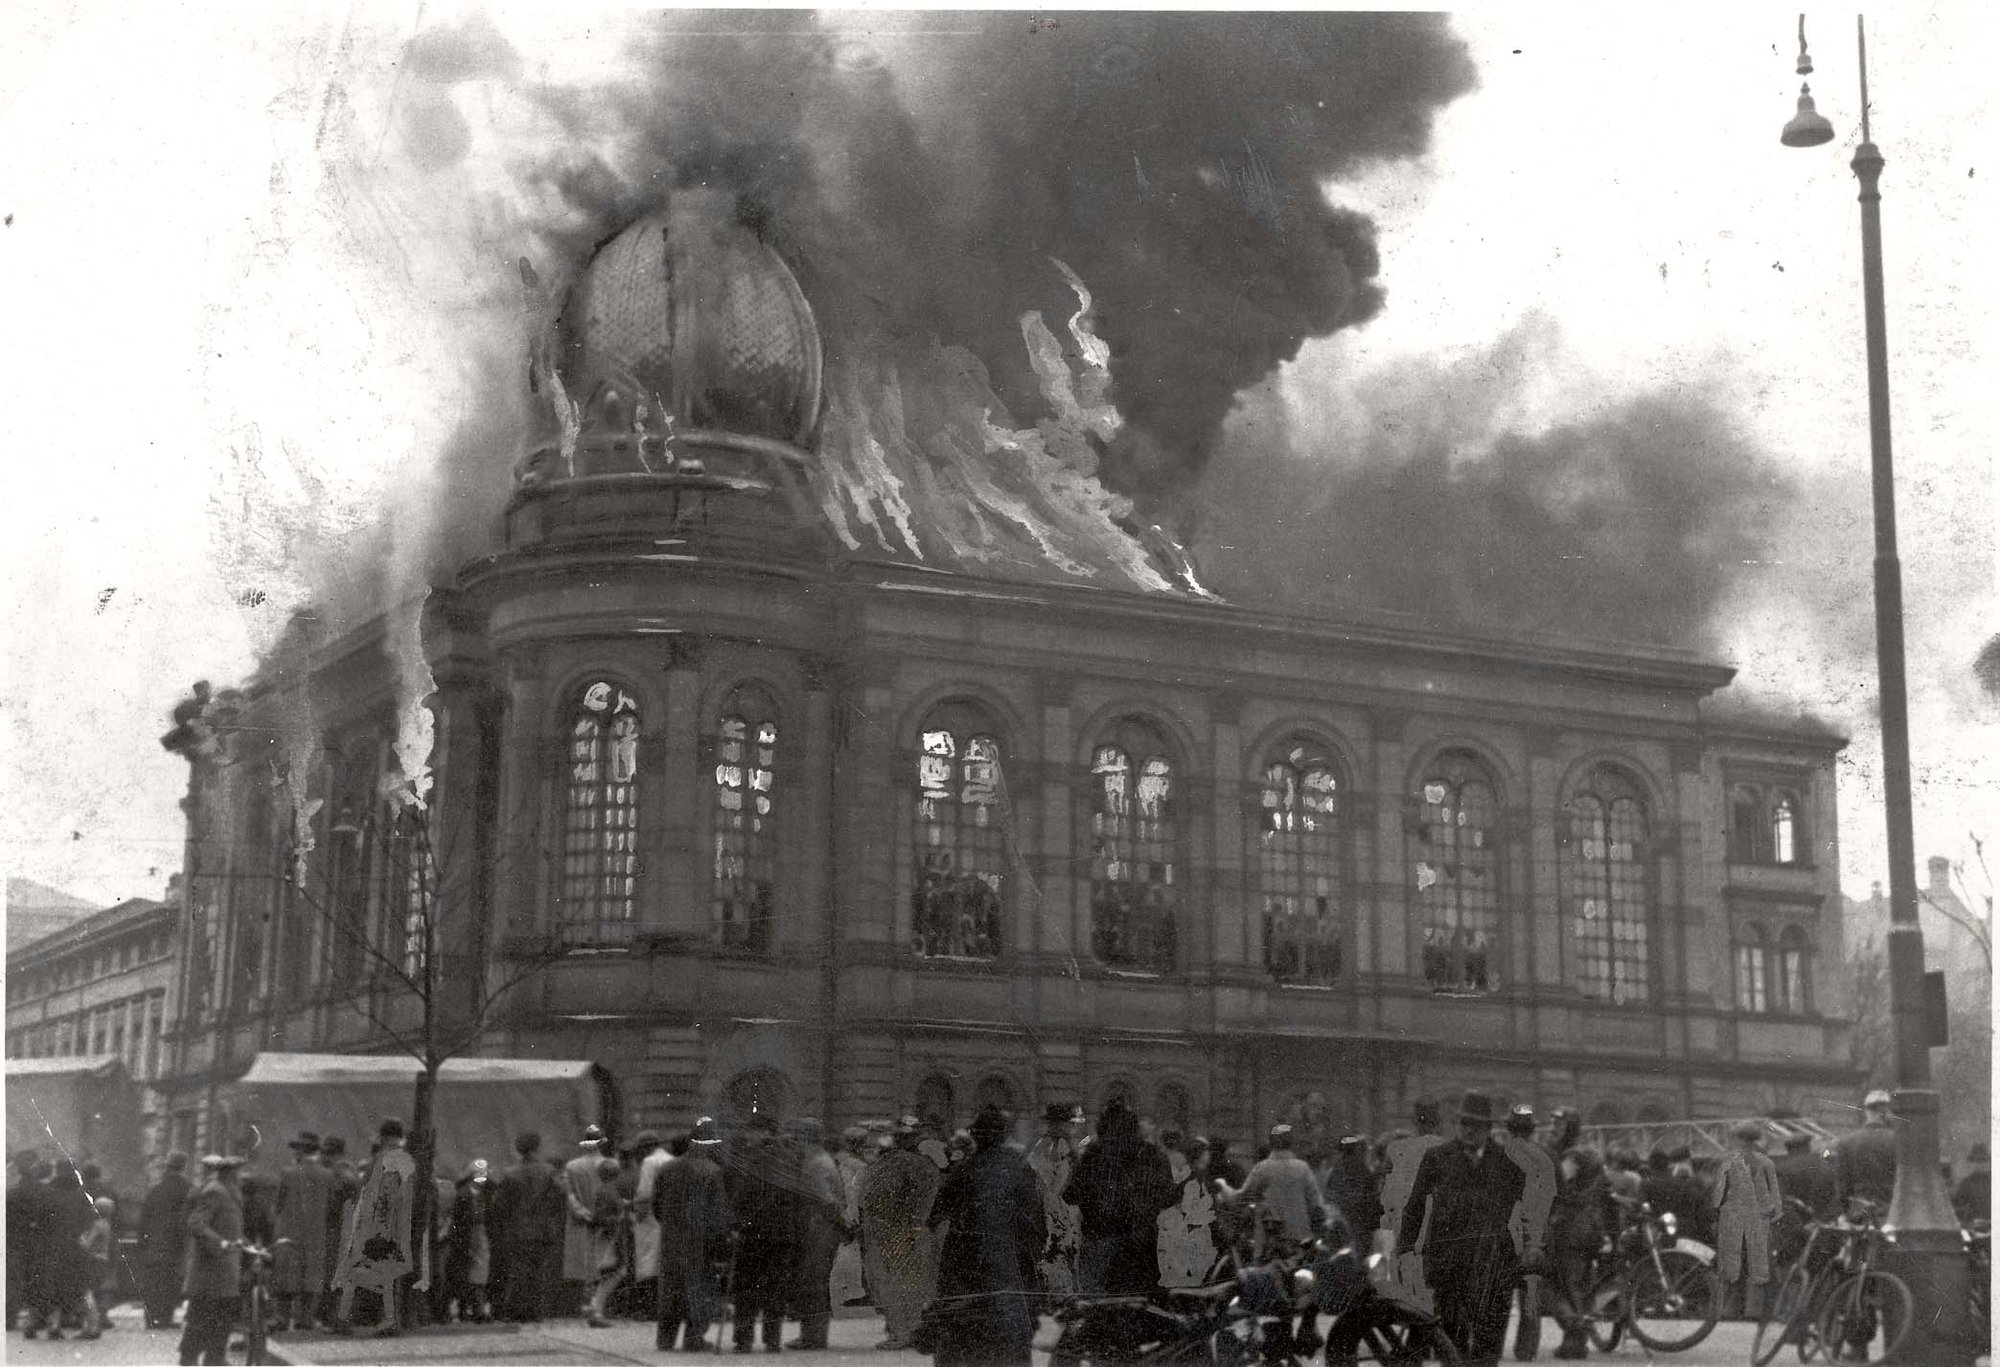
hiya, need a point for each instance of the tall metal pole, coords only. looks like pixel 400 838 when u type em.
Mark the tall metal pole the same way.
pixel 1930 1255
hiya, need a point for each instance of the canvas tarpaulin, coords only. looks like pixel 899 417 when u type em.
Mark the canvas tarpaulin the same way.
pixel 87 1109
pixel 481 1103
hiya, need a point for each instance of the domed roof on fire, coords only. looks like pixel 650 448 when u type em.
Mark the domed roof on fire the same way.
pixel 688 309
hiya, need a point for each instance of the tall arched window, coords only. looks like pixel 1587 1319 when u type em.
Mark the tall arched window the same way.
pixel 1753 969
pixel 600 869
pixel 1610 895
pixel 745 864
pixel 1458 875
pixel 1791 981
pixel 1749 835
pixel 410 887
pixel 959 879
pixel 1785 829
pixel 1132 839
pixel 1298 865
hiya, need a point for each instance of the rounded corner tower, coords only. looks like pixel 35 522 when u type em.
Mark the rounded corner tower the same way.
pixel 685 363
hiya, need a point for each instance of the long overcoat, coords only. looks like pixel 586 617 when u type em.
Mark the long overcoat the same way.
pixel 305 1196
pixel 163 1222
pixel 583 1242
pixel 896 1245
pixel 984 1313
pixel 692 1208
pixel 215 1227
pixel 1470 1257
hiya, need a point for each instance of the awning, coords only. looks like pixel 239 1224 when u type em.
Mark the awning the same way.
pixel 481 1103
pixel 84 1108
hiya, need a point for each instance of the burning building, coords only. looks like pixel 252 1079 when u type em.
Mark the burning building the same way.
pixel 818 742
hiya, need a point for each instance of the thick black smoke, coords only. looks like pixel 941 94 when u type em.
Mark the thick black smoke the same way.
pixel 1636 523
pixel 922 170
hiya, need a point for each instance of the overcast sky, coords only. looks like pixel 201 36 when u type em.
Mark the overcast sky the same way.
pixel 216 355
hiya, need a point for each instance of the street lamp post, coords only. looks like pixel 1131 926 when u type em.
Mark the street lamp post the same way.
pixel 1929 1256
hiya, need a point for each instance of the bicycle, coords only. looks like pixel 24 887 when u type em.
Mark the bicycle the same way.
pixel 1838 1304
pixel 1656 1286
pixel 257 1260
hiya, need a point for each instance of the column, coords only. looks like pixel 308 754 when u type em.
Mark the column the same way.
pixel 677 896
pixel 1393 909
pixel 1060 933
pixel 521 903
pixel 805 824
pixel 1238 932
pixel 1541 907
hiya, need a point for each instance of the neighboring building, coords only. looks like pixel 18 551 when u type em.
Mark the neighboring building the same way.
pixel 35 909
pixel 103 985
pixel 1958 943
pixel 759 817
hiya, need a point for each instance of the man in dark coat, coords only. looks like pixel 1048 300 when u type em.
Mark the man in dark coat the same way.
pixel 525 1221
pixel 1354 1188
pixel 69 1270
pixel 1471 1187
pixel 822 1227
pixel 344 1191
pixel 1120 1186
pixel 31 1221
pixel 763 1182
pixel 1865 1159
pixel 299 1272
pixel 214 1283
pixel 163 1241
pixel 1973 1198
pixel 692 1208
pixel 1579 1223
pixel 983 1315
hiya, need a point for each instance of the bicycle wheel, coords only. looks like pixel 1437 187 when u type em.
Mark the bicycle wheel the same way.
pixel 255 1328
pixel 1866 1318
pixel 1674 1302
pixel 1388 1334
pixel 1605 1309
pixel 1784 1316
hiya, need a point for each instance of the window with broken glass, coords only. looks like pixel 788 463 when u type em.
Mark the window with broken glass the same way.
pixel 1298 866
pixel 410 888
pixel 1457 875
pixel 350 858
pixel 1609 890
pixel 958 881
pixel 745 845
pixel 1753 969
pixel 1133 839
pixel 252 904
pixel 599 888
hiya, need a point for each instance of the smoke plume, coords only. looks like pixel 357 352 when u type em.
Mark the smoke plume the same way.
pixel 923 171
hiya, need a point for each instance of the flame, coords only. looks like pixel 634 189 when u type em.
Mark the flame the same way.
pixel 409 784
pixel 920 455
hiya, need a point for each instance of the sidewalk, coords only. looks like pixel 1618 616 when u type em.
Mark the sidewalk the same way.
pixel 562 1342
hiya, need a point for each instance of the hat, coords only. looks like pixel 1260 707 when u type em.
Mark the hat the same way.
pixel 908 1124
pixel 1055 1113
pixel 391 1128
pixel 1747 1130
pixel 705 1132
pixel 593 1137
pixel 1878 1097
pixel 1521 1118
pixel 476 1170
pixel 646 1139
pixel 1281 1133
pixel 1476 1107
pixel 307 1142
pixel 854 1132
pixel 333 1146
pixel 990 1123
pixel 1353 1141
pixel 527 1142
pixel 223 1162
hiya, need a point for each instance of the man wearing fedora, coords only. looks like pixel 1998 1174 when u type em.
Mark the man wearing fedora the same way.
pixel 213 1283
pixel 692 1207
pixel 1471 1187
pixel 299 1270
pixel 584 1240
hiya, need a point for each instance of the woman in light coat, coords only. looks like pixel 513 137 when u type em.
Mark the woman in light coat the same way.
pixel 1746 1197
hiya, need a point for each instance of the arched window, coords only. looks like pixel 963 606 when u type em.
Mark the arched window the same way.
pixel 1785 829
pixel 409 886
pixel 1458 875
pixel 1753 969
pixel 745 863
pixel 1610 895
pixel 1298 865
pixel 1133 838
pixel 1791 982
pixel 600 871
pixel 351 845
pixel 251 902
pixel 1749 833
pixel 959 881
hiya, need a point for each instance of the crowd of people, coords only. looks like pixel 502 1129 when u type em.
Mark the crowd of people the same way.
pixel 958 1238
